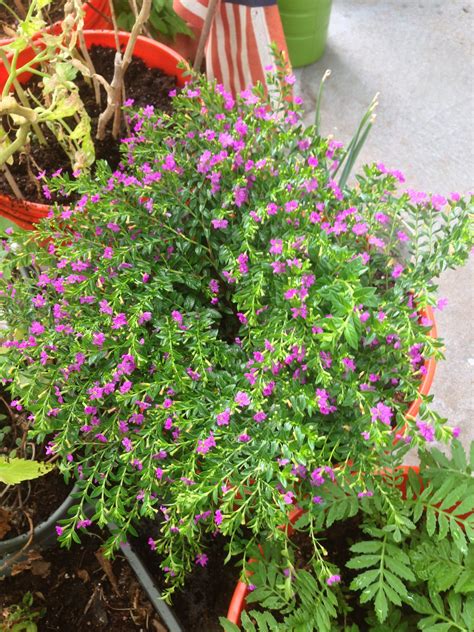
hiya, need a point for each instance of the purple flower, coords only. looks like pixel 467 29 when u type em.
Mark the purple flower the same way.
pixel 360 228
pixel 397 271
pixel 333 579
pixel 382 413
pixel 276 246
pixel 244 438
pixel 223 418
pixel 98 339
pixel 36 328
pixel 426 431
pixel 108 253
pixel 201 559
pixel 144 317
pixel 105 308
pixel 119 321
pixel 242 399
pixel 349 364
pixel 177 317
pixel 243 260
pixel 268 389
pixel 59 530
pixel 204 445
pixel 218 517
pixel 219 223
pixel 126 386
pixel 127 444
pixel 260 416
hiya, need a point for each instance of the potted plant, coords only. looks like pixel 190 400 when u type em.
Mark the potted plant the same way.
pixel 305 24
pixel 52 56
pixel 397 555
pixel 223 323
pixel 96 15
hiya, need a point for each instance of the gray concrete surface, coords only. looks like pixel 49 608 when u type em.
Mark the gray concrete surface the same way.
pixel 419 55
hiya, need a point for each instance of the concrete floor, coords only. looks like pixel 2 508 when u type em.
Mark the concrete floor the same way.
pixel 419 55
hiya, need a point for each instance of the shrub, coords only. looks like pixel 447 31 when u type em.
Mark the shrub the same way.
pixel 217 328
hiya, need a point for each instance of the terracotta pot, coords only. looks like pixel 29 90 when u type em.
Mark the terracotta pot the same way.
pixel 154 54
pixel 430 366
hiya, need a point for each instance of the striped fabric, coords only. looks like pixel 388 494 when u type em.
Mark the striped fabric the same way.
pixel 238 48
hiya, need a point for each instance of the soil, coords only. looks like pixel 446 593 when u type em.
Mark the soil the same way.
pixel 51 14
pixel 35 499
pixel 79 591
pixel 208 590
pixel 147 86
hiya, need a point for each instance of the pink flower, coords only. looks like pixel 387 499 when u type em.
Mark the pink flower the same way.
pixel 108 253
pixel 59 530
pixel 349 364
pixel 426 431
pixel 276 246
pixel 260 416
pixel 177 317
pixel 244 438
pixel 36 328
pixel 382 413
pixel 119 321
pixel 397 271
pixel 201 559
pixel 126 386
pixel 223 418
pixel 219 223
pixel 98 339
pixel 333 579
pixel 242 399
pixel 360 229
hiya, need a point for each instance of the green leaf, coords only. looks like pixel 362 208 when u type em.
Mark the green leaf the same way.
pixel 381 606
pixel 16 470
pixel 228 625
pixel 350 333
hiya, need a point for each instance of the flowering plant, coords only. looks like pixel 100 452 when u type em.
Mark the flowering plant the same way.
pixel 217 327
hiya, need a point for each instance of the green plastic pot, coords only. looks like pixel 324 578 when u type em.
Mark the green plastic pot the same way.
pixel 305 23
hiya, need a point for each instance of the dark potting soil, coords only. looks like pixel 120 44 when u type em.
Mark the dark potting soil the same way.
pixel 78 592
pixel 35 499
pixel 147 86
pixel 208 590
pixel 51 14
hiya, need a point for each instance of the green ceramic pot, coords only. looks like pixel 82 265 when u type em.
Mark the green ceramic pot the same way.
pixel 305 23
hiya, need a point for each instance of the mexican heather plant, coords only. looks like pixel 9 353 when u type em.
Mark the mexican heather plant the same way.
pixel 217 328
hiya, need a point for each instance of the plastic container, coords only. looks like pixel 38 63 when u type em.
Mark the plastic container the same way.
pixel 44 535
pixel 305 24
pixel 155 55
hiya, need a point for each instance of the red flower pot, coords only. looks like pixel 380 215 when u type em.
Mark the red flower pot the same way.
pixel 430 366
pixel 155 55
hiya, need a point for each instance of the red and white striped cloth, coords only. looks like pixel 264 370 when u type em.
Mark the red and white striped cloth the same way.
pixel 238 47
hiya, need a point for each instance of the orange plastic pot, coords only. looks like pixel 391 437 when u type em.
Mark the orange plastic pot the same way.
pixel 154 54
pixel 430 366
